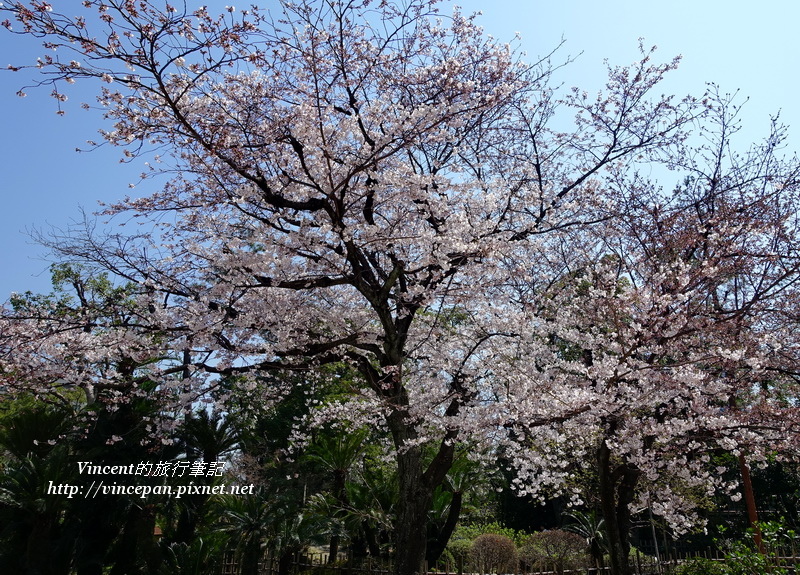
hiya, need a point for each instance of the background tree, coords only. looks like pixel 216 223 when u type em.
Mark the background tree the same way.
pixel 80 351
pixel 33 538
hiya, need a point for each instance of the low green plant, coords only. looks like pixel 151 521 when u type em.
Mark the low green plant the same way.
pixel 459 550
pixel 590 526
pixel 472 532
pixel 700 566
pixel 743 556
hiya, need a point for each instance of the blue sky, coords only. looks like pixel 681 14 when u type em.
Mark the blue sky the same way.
pixel 748 46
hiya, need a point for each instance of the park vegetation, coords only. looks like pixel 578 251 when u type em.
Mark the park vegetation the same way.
pixel 394 268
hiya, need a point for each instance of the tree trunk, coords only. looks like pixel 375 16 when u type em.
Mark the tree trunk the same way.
pixel 285 563
pixel 333 548
pixel 438 545
pixel 37 552
pixel 340 491
pixel 251 554
pixel 372 539
pixel 750 503
pixel 416 487
pixel 617 491
pixel 411 532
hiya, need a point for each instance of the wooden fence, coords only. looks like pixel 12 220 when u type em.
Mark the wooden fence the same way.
pixel 642 565
pixel 309 562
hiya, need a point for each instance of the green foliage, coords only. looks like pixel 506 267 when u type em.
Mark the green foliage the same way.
pixel 742 556
pixel 472 532
pixel 77 290
pixel 591 527
pixel 31 537
pixel 337 452
pixel 246 522
pixel 459 549
pixel 700 566
pixel 29 428
pixel 461 545
pixel 779 483
pixel 198 558
pixel 207 435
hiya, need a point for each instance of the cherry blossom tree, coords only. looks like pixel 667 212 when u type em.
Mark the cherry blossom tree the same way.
pixel 657 326
pixel 85 337
pixel 113 385
pixel 352 183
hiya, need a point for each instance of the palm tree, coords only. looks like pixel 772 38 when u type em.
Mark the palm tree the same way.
pixel 197 558
pixel 592 528
pixel 246 521
pixel 32 539
pixel 206 436
pixel 447 505
pixel 337 453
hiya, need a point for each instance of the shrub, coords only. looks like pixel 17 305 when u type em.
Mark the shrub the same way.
pixel 493 553
pixel 471 532
pixel 555 549
pixel 459 550
pixel 700 566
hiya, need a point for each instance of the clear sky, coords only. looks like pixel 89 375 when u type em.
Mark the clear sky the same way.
pixel 749 46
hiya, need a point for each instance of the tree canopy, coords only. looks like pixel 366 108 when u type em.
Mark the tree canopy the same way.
pixel 383 186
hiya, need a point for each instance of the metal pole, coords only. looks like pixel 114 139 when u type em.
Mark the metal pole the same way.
pixel 750 503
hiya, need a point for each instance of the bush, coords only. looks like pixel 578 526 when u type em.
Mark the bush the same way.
pixel 493 553
pixel 459 550
pixel 700 566
pixel 555 549
pixel 473 531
